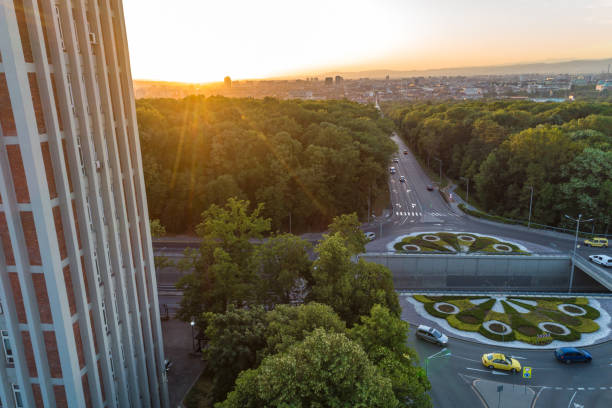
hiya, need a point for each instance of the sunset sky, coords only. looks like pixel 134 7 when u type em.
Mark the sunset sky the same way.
pixel 202 41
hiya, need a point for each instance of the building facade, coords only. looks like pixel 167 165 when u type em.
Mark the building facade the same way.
pixel 79 315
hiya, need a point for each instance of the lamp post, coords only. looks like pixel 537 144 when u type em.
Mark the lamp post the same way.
pixel 577 221
pixel 192 323
pixel 467 197
pixel 440 170
pixel 530 202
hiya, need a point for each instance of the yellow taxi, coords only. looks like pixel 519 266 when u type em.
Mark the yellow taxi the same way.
pixel 596 242
pixel 501 362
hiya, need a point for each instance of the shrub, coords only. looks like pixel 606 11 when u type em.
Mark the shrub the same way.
pixel 560 317
pixel 586 326
pixel 522 304
pixel 421 298
pixel 450 239
pixel 428 244
pixel 494 336
pixel 458 324
pixel 429 307
pixel 591 312
pixel 481 243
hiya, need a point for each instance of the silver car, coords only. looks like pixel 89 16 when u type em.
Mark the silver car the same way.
pixel 432 335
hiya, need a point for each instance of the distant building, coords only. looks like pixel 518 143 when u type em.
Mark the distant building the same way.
pixel 603 85
pixel 329 81
pixel 227 81
pixel 339 80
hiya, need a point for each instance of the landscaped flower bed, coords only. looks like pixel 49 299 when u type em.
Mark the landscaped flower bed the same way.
pixel 449 242
pixel 533 320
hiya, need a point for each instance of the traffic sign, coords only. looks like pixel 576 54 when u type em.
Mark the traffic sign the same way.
pixel 526 372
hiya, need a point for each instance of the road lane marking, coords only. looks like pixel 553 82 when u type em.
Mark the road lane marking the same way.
pixel 498 373
pixel 476 369
pixel 580 388
pixel 570 403
pixel 570 389
pixel 558 388
pixel 603 388
pixel 519 358
pixel 591 388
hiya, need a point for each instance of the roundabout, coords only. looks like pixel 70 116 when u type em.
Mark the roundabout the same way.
pixel 455 242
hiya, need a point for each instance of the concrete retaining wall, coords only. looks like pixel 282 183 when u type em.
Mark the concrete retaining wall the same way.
pixel 490 272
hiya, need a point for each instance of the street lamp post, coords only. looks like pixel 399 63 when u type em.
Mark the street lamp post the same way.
pixel 577 221
pixel 530 202
pixel 467 197
pixel 440 170
pixel 192 323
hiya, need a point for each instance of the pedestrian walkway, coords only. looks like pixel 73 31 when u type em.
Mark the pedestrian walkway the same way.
pixel 497 394
pixel 186 367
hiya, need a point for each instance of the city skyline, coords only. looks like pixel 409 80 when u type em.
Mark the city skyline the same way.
pixel 203 42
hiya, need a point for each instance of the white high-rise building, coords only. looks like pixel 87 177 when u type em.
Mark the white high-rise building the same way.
pixel 79 315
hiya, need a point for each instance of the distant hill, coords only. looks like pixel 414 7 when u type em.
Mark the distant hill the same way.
pixel 565 67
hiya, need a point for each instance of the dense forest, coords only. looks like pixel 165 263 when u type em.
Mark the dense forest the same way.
pixel 306 161
pixel 562 150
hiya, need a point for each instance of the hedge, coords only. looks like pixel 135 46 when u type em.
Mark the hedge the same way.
pixel 591 312
pixel 481 243
pixel 495 336
pixel 432 310
pixel 458 324
pixel 450 239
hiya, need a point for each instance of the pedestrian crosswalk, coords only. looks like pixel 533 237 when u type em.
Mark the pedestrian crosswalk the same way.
pixel 419 214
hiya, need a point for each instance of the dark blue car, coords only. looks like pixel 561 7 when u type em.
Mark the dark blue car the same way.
pixel 570 355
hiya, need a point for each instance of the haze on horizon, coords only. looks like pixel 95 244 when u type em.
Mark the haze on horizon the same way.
pixel 196 41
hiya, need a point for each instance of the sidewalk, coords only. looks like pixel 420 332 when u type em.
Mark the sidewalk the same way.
pixel 186 369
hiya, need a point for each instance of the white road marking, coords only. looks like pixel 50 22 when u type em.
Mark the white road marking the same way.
pixel 570 403
pixel 603 388
pixel 558 388
pixel 476 369
pixel 591 388
pixel 498 373
pixel 519 358
pixel 580 388
pixel 570 389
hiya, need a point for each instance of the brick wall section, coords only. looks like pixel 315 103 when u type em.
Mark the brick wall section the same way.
pixel 18 297
pixel 38 399
pixel 29 353
pixel 76 223
pixel 43 21
pixel 69 290
pixel 44 307
pixel 18 174
pixel 7 120
pixel 67 165
pixel 86 391
pixel 52 354
pixel 60 396
pixel 23 31
pixel 46 154
pixel 79 344
pixel 29 232
pixel 59 230
pixel 6 240
pixel 85 279
pixel 36 102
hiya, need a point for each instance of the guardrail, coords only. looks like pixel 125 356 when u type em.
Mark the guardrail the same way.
pixel 497 293
pixel 603 277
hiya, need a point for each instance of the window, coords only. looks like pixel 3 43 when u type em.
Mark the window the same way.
pixel 17 395
pixel 8 350
pixel 59 25
pixel 69 78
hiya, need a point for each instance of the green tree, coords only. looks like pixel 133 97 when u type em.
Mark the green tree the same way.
pixel 383 336
pixel 235 338
pixel 221 271
pixel 325 370
pixel 348 226
pixel 282 267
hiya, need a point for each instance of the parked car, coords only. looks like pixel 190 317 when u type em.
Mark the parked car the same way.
pixel 392 170
pixel 429 187
pixel 432 335
pixel 570 355
pixel 405 151
pixel 395 160
pixel 596 242
pixel 402 179
pixel 370 236
pixel 501 362
pixel 604 260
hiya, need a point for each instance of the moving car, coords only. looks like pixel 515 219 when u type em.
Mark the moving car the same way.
pixel 570 355
pixel 402 179
pixel 432 335
pixel 395 160
pixel 604 260
pixel 429 187
pixel 596 242
pixel 501 362
pixel 370 236
pixel 392 170
pixel 405 151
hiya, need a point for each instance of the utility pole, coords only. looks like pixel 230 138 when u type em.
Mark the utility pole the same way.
pixel 530 202
pixel 440 170
pixel 467 197
pixel 577 221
